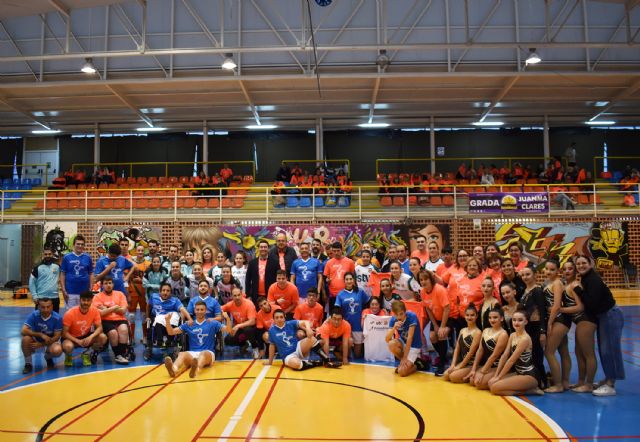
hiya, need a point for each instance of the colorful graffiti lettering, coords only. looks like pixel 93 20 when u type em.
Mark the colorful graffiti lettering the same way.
pixel 136 235
pixel 608 245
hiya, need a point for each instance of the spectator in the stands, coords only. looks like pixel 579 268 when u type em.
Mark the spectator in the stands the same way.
pixel 226 174
pixel 284 173
pixel 296 171
pixel 629 200
pixel 487 179
pixel 461 173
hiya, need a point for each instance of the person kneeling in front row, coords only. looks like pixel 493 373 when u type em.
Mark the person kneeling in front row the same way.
pixel 82 328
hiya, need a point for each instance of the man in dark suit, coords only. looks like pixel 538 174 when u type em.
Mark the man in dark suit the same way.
pixel 261 272
pixel 283 254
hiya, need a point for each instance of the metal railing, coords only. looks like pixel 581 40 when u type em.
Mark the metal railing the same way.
pixel 232 203
pixel 473 161
pixel 339 161
pixel 188 171
pixel 23 170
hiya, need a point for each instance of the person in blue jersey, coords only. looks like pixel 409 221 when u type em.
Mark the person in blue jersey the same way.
pixel 202 341
pixel 164 304
pixel 154 276
pixel 403 259
pixel 76 273
pixel 43 281
pixel 306 271
pixel 352 300
pixel 406 345
pixel 213 310
pixel 115 265
pixel 294 353
pixel 42 328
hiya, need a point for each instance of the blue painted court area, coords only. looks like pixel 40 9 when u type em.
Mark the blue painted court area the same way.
pixel 583 416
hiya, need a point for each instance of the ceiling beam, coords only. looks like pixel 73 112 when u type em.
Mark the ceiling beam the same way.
pixel 498 98
pixel 130 105
pixel 632 89
pixel 7 102
pixel 61 7
pixel 252 106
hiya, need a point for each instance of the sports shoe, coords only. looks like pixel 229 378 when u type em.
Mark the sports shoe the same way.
pixel 440 371
pixel 50 362
pixel 68 361
pixel 93 357
pixel 86 360
pixel 168 363
pixel 28 368
pixel 604 390
pixel 121 360
pixel 333 364
pixel 256 353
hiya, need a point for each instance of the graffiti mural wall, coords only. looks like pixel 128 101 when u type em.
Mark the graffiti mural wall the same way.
pixel 606 243
pixel 137 235
pixel 59 237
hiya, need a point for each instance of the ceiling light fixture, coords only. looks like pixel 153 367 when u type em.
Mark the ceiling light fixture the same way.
pixel 600 123
pixel 150 129
pixel 373 125
pixel 88 67
pixel 261 126
pixel 488 123
pixel 533 57
pixel 45 131
pixel 228 62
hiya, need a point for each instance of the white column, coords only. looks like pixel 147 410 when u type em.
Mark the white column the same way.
pixel 96 144
pixel 205 147
pixel 545 140
pixel 432 145
pixel 319 140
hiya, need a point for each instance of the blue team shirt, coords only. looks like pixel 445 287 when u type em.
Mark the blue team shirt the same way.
pixel 352 303
pixel 47 326
pixel 285 338
pixel 306 274
pixel 77 270
pixel 122 264
pixel 213 306
pixel 202 336
pixel 160 307
pixel 411 320
pixel 405 267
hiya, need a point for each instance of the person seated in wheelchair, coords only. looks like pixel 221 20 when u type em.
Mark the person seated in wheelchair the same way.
pixel 160 306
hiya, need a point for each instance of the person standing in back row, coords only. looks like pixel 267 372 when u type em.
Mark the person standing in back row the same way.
pixel 334 271
pixel 43 281
pixel 76 273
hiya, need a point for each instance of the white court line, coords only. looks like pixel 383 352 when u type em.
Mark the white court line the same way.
pixel 237 415
pixel 560 433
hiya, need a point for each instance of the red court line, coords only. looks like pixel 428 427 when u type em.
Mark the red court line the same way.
pixel 139 406
pixel 77 418
pixel 534 426
pixel 4 387
pixel 222 402
pixel 264 405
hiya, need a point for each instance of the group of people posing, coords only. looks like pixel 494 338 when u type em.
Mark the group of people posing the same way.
pixel 490 310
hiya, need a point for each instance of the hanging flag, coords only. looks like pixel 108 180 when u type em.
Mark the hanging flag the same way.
pixel 195 162
pixel 15 166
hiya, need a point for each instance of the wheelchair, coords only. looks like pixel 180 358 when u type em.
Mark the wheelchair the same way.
pixel 158 338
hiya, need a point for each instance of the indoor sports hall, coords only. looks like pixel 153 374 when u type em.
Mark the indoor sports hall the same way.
pixel 319 220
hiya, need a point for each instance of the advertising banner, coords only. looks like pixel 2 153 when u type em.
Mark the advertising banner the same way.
pixel 508 202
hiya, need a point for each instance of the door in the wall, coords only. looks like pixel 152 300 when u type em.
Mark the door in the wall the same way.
pixel 49 169
pixel 4 261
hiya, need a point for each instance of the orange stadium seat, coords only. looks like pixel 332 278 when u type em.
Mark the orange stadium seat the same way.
pixel 52 204
pixel 166 203
pixel 398 201
pixel 107 203
pixel 436 201
pixel 386 201
pixel 237 203
pixel 63 204
pixel 141 180
pixel 152 180
pixel 189 203
pixel 447 200
pixel 213 203
pixel 593 197
pixel 583 199
pixel 201 203
pixel 154 203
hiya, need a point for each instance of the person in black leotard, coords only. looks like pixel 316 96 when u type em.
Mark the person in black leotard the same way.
pixel 494 341
pixel 533 302
pixel 508 293
pixel 516 372
pixel 572 310
pixel 466 347
pixel 556 330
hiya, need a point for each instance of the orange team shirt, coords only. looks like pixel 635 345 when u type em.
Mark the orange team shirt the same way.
pixel 104 300
pixel 328 331
pixel 522 264
pixel 80 324
pixel 423 257
pixel 374 281
pixel 313 314
pixel 367 311
pixel 442 269
pixel 240 313
pixel 469 291
pixel 225 173
pixel 453 274
pixel 335 269
pixel 436 301
pixel 262 267
pixel 285 297
pixel 264 320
